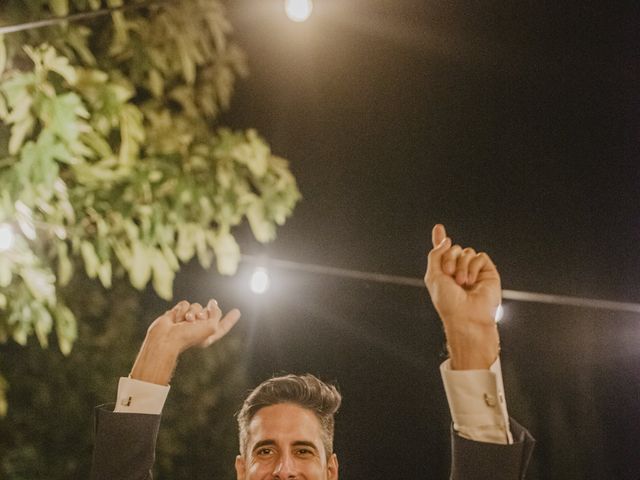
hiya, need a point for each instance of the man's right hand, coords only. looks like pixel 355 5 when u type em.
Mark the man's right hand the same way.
pixel 184 326
pixel 465 290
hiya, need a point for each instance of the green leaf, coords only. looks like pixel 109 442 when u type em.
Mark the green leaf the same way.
pixel 263 229
pixel 65 268
pixel 90 258
pixel 77 39
pixel 66 328
pixel 60 114
pixel 60 65
pixel 43 323
pixel 131 132
pixel 60 8
pixel 104 274
pixel 4 109
pixel 3 54
pixel 171 258
pixel 156 83
pixel 40 283
pixel 140 270
pixel 97 143
pixel 123 254
pixel 6 273
pixel 18 133
pixel 186 247
pixel 227 254
pixel 162 275
pixel 254 153
pixel 4 406
pixel 205 256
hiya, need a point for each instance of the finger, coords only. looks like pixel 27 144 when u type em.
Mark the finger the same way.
pixel 226 324
pixel 434 263
pixel 438 234
pixel 179 310
pixel 479 263
pixel 194 309
pixel 450 259
pixel 462 265
pixel 213 309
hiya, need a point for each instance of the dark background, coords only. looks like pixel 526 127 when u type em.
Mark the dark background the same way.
pixel 513 123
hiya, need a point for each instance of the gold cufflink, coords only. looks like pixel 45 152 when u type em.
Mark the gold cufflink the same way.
pixel 490 400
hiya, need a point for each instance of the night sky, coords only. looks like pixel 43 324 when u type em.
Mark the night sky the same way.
pixel 516 124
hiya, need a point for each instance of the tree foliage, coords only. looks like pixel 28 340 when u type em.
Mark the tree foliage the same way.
pixel 111 156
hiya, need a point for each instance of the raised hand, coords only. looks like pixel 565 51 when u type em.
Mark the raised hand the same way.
pixel 465 291
pixel 192 325
pixel 184 326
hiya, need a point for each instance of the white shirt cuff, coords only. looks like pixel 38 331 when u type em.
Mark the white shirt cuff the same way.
pixel 477 403
pixel 136 396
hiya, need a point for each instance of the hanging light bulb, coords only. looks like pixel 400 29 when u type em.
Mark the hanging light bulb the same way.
pixel 260 281
pixel 298 10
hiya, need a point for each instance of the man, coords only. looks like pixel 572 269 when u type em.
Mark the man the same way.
pixel 286 423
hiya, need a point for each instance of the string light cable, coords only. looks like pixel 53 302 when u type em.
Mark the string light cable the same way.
pixel 260 280
pixel 76 17
pixel 419 283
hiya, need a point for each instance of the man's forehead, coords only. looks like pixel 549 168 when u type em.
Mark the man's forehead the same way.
pixel 284 422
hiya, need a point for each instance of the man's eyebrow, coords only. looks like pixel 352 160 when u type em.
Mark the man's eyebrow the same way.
pixel 297 443
pixel 262 443
pixel 305 443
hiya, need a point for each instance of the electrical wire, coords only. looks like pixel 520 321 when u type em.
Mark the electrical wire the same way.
pixel 419 283
pixel 76 17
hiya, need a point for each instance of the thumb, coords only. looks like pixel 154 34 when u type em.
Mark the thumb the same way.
pixel 438 234
pixel 434 264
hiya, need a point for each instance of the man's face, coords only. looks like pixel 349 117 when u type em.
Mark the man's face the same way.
pixel 285 442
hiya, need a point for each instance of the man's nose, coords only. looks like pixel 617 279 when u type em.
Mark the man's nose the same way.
pixel 285 468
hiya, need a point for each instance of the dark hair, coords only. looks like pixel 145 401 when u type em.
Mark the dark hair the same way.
pixel 306 391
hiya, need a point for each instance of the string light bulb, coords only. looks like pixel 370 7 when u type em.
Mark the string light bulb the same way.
pixel 298 10
pixel 260 281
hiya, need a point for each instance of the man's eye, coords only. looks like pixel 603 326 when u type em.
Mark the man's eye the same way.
pixel 264 452
pixel 304 452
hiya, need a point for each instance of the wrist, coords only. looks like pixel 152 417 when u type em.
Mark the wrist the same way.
pixel 155 362
pixel 472 347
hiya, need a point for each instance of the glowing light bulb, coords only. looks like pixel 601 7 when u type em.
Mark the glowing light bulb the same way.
pixel 499 313
pixel 298 10
pixel 260 281
pixel 6 237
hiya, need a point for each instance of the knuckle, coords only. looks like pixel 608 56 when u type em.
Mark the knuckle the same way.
pixel 428 277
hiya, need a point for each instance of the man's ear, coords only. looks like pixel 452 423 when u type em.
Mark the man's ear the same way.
pixel 332 467
pixel 241 468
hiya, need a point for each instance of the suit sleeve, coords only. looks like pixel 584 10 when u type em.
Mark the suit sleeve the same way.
pixel 125 445
pixel 471 460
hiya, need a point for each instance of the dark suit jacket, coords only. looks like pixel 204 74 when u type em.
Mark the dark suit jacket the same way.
pixel 125 447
